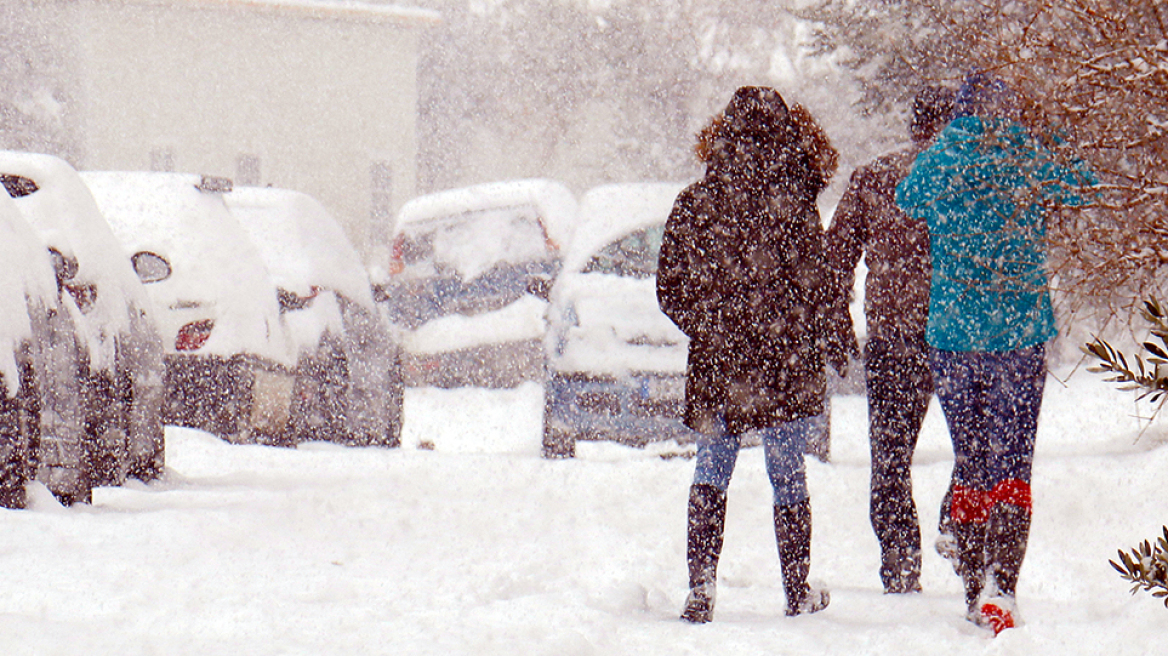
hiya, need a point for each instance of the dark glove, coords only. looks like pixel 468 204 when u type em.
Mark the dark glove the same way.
pixel 841 340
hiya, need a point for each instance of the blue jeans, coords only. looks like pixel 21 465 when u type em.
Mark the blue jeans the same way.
pixel 991 402
pixel 783 446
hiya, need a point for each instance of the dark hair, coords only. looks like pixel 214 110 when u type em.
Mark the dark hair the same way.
pixel 822 157
pixel 932 109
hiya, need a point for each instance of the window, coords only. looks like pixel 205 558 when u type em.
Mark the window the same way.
pixel 162 159
pixel 632 256
pixel 247 170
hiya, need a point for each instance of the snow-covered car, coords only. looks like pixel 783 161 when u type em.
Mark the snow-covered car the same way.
pixel 349 386
pixel 120 352
pixel 616 362
pixel 41 423
pixel 229 362
pixel 468 280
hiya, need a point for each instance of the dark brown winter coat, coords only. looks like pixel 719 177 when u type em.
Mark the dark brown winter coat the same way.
pixel 743 273
pixel 895 247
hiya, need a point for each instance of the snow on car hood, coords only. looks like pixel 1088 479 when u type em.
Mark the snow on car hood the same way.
pixel 609 211
pixel 26 278
pixel 611 325
pixel 300 242
pixel 518 321
pixel 216 271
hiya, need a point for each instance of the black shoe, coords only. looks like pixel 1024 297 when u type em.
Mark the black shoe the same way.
pixel 814 601
pixel 900 571
pixel 971 558
pixel 699 605
pixel 1007 535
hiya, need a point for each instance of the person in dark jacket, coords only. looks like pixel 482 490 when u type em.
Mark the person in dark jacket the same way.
pixel 985 187
pixel 895 247
pixel 742 272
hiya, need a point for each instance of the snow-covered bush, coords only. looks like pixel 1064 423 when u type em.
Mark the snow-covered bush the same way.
pixel 1093 74
pixel 1147 567
pixel 1148 377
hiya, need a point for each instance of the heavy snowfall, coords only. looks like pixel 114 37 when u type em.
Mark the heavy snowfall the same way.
pixel 466 538
pixel 465 541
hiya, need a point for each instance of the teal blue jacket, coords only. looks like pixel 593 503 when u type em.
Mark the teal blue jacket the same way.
pixel 985 187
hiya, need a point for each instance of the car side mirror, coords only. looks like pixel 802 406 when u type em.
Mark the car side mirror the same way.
pixel 150 267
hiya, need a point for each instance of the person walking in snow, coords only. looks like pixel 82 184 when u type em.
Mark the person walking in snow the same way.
pixel 868 222
pixel 985 188
pixel 742 272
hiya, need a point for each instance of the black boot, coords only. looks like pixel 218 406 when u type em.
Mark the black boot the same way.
pixel 1007 536
pixel 707 522
pixel 793 534
pixel 971 544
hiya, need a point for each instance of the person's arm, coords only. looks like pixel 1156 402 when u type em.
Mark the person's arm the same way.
pixel 848 234
pixel 684 278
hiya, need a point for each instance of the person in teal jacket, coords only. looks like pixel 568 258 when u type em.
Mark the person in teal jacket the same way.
pixel 985 188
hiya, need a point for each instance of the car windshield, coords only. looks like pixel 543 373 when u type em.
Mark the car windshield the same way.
pixel 631 256
pixel 469 263
pixel 471 243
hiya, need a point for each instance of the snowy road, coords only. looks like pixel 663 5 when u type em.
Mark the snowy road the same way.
pixel 480 547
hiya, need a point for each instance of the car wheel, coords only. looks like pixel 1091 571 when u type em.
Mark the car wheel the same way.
pixel 15 451
pixel 396 402
pixel 558 444
pixel 106 444
pixel 149 466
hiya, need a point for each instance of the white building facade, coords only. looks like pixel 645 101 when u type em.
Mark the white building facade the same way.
pixel 309 95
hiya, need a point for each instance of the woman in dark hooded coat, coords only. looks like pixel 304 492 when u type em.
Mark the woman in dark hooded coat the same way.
pixel 742 272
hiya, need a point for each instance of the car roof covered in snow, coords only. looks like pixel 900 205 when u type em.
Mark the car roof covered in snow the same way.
pixel 610 211
pixel 300 242
pixel 555 203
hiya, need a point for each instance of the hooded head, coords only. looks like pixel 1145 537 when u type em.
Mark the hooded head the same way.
pixel 756 110
pixel 759 137
pixel 982 94
pixel 754 114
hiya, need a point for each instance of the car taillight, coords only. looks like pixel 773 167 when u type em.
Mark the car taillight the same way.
pixel 192 336
pixel 396 265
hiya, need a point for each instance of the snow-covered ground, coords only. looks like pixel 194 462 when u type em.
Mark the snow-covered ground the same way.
pixel 478 546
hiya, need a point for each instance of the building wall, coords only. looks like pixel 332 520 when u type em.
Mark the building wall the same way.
pixel 292 94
